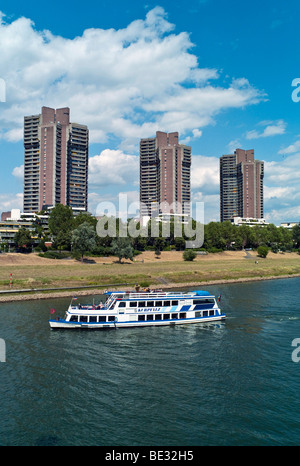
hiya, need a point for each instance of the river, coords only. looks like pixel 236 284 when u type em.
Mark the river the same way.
pixel 229 383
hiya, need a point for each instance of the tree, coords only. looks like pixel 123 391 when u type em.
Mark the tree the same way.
pixel 84 239
pixel 84 217
pixel 296 235
pixel 61 224
pixel 157 253
pixel 179 244
pixel 122 248
pixel 22 239
pixel 262 251
pixel 189 255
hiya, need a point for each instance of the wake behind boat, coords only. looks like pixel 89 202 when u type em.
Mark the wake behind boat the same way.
pixel 139 309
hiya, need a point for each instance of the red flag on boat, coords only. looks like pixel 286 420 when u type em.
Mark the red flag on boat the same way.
pixel 52 311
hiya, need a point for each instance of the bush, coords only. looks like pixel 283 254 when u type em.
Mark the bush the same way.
pixel 55 255
pixel 189 255
pixel 214 250
pixel 262 251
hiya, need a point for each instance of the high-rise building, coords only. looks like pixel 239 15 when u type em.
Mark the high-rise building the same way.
pixel 241 185
pixel 165 172
pixel 55 162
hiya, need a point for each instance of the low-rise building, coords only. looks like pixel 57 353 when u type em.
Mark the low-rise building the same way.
pixel 251 222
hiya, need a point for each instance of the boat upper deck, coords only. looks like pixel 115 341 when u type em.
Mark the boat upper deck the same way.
pixel 158 294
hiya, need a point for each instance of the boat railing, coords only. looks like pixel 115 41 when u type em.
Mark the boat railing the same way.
pixel 152 295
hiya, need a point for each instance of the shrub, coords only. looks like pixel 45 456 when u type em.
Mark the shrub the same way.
pixel 54 255
pixel 189 255
pixel 262 251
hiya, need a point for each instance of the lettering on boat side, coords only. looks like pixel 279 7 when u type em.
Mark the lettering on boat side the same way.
pixel 2 350
pixel 149 309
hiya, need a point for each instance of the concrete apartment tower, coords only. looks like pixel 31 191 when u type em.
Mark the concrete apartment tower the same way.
pixel 56 161
pixel 241 185
pixel 165 172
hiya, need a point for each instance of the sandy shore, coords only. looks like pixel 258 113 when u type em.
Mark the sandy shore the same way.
pixel 97 291
pixel 216 266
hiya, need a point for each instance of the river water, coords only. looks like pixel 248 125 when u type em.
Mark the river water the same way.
pixel 229 383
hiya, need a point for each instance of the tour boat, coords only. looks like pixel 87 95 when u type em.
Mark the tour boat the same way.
pixel 139 309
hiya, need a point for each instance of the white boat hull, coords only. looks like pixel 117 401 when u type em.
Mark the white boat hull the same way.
pixel 55 324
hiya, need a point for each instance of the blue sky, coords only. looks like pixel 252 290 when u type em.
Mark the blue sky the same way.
pixel 218 72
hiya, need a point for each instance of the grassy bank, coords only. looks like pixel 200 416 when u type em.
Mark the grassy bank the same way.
pixel 169 270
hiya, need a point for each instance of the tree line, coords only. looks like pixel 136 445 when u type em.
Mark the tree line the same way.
pixel 78 235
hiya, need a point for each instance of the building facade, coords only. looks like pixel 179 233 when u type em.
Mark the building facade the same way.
pixel 55 161
pixel 241 185
pixel 165 173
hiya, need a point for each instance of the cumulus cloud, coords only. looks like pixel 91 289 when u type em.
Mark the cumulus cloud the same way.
pixel 291 148
pixel 205 174
pixel 113 167
pixel 18 172
pixel 272 128
pixel 281 189
pixel 126 83
pixel 11 201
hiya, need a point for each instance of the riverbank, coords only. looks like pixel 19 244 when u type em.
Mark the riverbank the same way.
pixel 97 291
pixel 167 271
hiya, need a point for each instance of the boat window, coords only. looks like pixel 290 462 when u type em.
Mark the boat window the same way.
pixel 157 316
pixel 122 304
pixel 150 317
pixel 150 303
pixel 205 313
pixel 198 314
pixel 142 304
pixel 174 303
pixel 133 304
pixel 166 316
pixel 175 316
pixel 203 301
pixel 141 317
pixel 74 319
pixel 93 318
pixel 167 303
pixel 111 318
pixel 182 315
pixel 158 303
pixel 102 318
pixel 82 318
pixel 211 313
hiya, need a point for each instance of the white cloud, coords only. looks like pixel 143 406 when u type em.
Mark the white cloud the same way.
pixel 281 189
pixel 18 172
pixel 291 148
pixel 233 145
pixel 271 129
pixel 113 167
pixel 205 174
pixel 11 201
pixel 126 83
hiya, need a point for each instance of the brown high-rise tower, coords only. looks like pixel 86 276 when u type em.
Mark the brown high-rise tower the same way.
pixel 56 161
pixel 241 185
pixel 165 167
